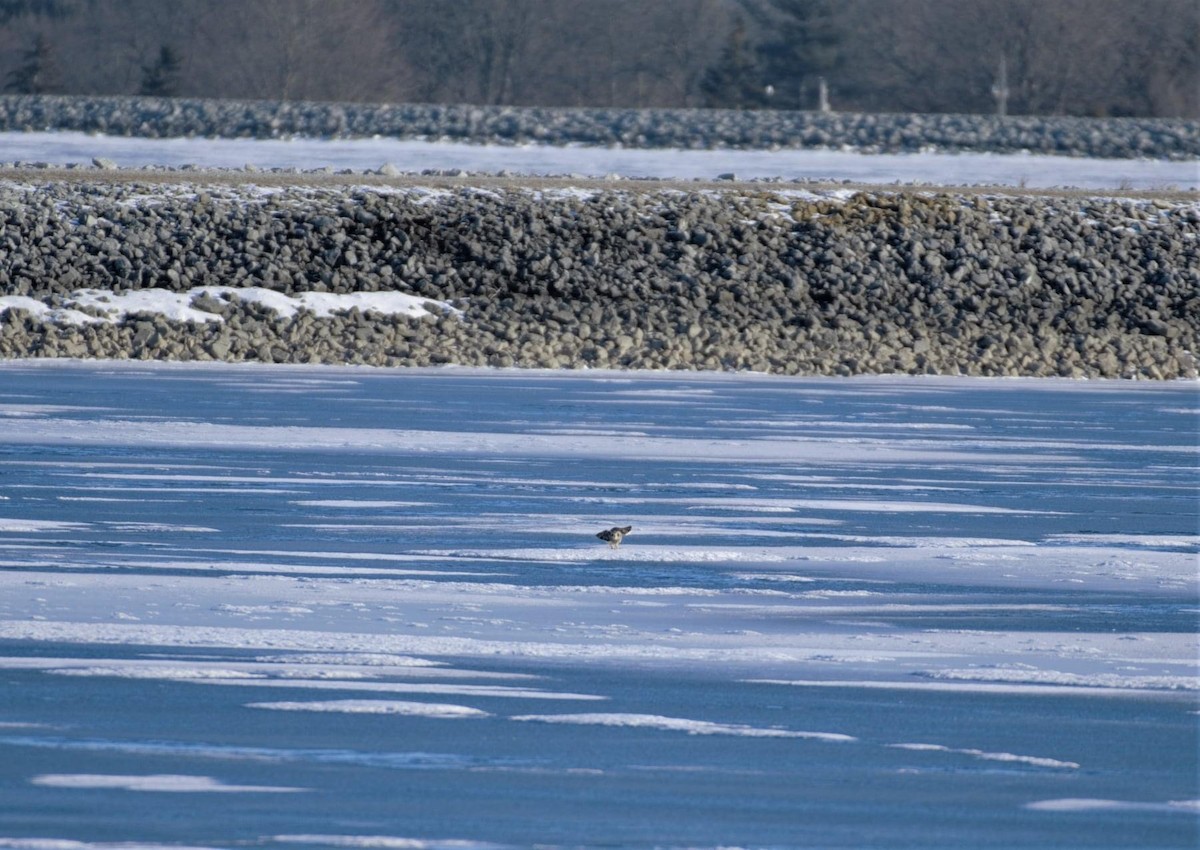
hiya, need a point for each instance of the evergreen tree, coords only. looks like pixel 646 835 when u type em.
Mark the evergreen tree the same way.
pixel 11 10
pixel 735 81
pixel 806 46
pixel 38 73
pixel 162 78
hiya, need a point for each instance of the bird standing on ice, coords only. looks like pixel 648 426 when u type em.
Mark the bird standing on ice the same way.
pixel 615 535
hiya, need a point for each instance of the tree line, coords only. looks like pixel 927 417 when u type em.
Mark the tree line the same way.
pixel 1054 57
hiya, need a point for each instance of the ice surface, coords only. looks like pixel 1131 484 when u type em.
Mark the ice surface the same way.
pixel 415 156
pixel 902 601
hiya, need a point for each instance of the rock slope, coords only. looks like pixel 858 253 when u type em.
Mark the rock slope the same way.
pixel 764 277
pixel 1161 138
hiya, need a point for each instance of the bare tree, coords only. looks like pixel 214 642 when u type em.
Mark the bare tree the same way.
pixel 599 65
pixel 1159 59
pixel 1079 57
pixel 473 51
pixel 38 73
pixel 295 49
pixel 629 53
pixel 1087 57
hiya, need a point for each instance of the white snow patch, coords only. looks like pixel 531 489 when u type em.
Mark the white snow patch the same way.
pixel 1055 677
pixel 1146 541
pixel 780 577
pixel 284 672
pixel 37 525
pixel 492 691
pixel 99 305
pixel 357 503
pixel 787 505
pixel 675 724
pixel 16 410
pixel 43 311
pixel 344 659
pixel 383 842
pixel 368 706
pixel 968 687
pixel 1036 761
pixel 627 552
pixel 71 844
pixel 168 782
pixel 226 608
pixel 166 672
pixel 1089 804
pixel 159 527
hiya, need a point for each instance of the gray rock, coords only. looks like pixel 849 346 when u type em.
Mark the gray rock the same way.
pixel 673 128
pixel 646 279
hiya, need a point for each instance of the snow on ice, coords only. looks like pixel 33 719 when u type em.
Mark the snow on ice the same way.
pixel 964 594
pixel 1028 170
pixel 853 610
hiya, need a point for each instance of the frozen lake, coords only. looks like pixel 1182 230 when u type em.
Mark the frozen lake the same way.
pixel 334 607
pixel 946 169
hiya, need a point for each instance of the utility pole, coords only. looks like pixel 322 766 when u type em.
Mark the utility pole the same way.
pixel 1000 88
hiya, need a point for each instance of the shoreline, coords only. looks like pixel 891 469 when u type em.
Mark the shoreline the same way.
pixel 762 276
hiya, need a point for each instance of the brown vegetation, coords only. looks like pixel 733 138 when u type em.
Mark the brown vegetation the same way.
pixel 1065 57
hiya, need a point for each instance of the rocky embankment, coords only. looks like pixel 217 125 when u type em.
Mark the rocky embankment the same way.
pixel 762 277
pixel 1160 138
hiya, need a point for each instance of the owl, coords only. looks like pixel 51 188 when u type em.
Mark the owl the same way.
pixel 614 536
